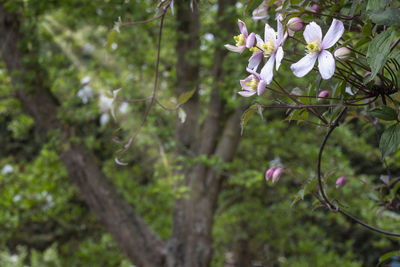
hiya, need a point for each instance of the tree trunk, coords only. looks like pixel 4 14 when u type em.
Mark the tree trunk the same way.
pixel 132 235
pixel 191 242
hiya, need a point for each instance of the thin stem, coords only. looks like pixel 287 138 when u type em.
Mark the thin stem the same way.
pixel 328 203
pixel 153 96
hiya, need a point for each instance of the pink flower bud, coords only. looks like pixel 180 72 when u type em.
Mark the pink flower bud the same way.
pixel 340 182
pixel 342 53
pixel 323 94
pixel 269 173
pixel 277 174
pixel 315 7
pixel 295 24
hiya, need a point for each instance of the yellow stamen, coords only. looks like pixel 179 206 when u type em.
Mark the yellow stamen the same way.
pixel 313 47
pixel 255 49
pixel 268 47
pixel 240 40
pixel 253 84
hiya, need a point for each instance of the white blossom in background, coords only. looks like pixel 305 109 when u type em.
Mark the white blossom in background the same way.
pixel 105 103
pixel 7 169
pixel 123 108
pixel 104 119
pixel 86 80
pixel 85 93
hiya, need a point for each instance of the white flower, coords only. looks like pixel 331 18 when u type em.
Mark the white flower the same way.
pixel 317 49
pixel 270 47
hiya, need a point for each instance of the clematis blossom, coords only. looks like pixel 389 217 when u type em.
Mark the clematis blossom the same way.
pixel 243 40
pixel 252 84
pixel 270 47
pixel 316 48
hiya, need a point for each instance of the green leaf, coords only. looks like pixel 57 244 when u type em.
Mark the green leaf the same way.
pixel 384 113
pixel 246 116
pixel 375 5
pixel 110 39
pixel 390 140
pixel 184 97
pixel 378 51
pixel 387 256
pixel 299 196
pixel 389 16
pixel 248 5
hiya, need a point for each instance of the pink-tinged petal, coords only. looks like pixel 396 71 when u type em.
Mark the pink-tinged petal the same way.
pixel 246 93
pixel 305 65
pixel 255 60
pixel 234 48
pixel 254 74
pixel 280 33
pixel 242 28
pixel 279 57
pixel 260 41
pixel 312 33
pixel 261 87
pixel 269 33
pixel 250 40
pixel 269 173
pixel 243 83
pixel 333 35
pixel 326 64
pixel 267 72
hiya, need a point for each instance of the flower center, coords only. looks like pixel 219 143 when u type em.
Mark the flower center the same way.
pixel 255 48
pixel 313 47
pixel 253 84
pixel 240 40
pixel 268 48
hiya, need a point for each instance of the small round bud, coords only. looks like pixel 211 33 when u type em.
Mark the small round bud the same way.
pixel 315 7
pixel 269 173
pixel 323 94
pixel 342 53
pixel 295 24
pixel 277 174
pixel 340 182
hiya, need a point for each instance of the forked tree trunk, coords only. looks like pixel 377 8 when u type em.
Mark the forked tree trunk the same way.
pixel 191 242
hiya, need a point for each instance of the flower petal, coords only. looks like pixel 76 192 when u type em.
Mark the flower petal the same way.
pixel 246 93
pixel 234 48
pixel 269 33
pixel 312 33
pixel 260 41
pixel 243 83
pixel 261 87
pixel 255 60
pixel 279 57
pixel 280 33
pixel 250 40
pixel 242 28
pixel 305 65
pixel 254 74
pixel 326 64
pixel 333 35
pixel 267 72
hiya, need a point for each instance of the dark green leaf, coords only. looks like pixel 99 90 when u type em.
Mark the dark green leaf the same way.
pixel 390 140
pixel 246 116
pixel 384 113
pixel 389 16
pixel 378 51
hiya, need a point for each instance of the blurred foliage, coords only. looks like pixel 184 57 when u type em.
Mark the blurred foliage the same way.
pixel 44 220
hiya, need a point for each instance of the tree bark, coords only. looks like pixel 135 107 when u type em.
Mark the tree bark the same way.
pixel 131 233
pixel 191 242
